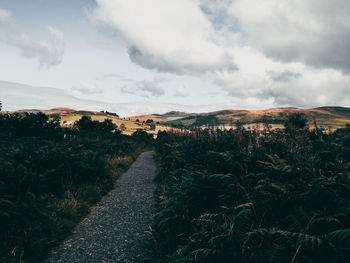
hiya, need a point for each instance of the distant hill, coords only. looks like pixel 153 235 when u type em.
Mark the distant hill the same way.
pixel 327 117
pixel 51 111
pixel 70 116
pixel 336 110
pixel 169 116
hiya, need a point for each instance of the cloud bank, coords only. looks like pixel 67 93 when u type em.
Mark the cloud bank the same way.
pixel 19 96
pixel 273 52
pixel 315 32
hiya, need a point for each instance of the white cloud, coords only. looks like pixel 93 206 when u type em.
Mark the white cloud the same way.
pixel 284 76
pixel 167 35
pixel 48 53
pixel 88 89
pixel 5 15
pixel 129 89
pixel 181 91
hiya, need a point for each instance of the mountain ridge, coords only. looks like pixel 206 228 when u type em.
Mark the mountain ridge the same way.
pixel 326 116
pixel 332 117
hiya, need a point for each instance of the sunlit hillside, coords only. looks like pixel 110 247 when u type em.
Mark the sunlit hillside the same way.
pixel 126 125
pixel 324 117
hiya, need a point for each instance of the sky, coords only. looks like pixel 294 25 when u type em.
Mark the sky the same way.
pixel 149 56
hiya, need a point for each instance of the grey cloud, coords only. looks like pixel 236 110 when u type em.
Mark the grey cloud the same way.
pixel 176 63
pixel 217 12
pixel 282 98
pixel 331 51
pixel 48 53
pixel 328 93
pixel 151 88
pixel 284 76
pixel 149 61
pixel 144 88
pixel 314 32
pixel 289 88
pixel 88 89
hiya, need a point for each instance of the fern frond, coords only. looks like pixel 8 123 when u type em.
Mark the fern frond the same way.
pixel 325 224
pixel 340 238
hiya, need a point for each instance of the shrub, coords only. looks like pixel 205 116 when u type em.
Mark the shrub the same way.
pixel 48 181
pixel 252 196
pixel 295 121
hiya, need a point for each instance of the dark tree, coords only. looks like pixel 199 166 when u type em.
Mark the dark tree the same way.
pixel 295 121
pixel 142 136
pixel 112 113
pixel 108 125
pixel 29 124
pixel 85 123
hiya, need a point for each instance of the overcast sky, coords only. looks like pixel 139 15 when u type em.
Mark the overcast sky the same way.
pixel 203 53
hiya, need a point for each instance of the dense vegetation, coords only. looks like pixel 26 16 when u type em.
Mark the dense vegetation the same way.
pixel 50 177
pixel 253 196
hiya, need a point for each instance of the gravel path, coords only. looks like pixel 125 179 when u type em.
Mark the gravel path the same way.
pixel 114 232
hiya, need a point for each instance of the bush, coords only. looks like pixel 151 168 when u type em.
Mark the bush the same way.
pixel 253 196
pixel 296 121
pixel 86 124
pixel 29 124
pixel 49 177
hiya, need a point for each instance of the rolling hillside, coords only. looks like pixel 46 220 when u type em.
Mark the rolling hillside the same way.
pixel 130 125
pixel 169 116
pixel 325 117
pixel 69 116
pixel 50 111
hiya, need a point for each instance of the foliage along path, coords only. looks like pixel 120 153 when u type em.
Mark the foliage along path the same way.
pixel 115 230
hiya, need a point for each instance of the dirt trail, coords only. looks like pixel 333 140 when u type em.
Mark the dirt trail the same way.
pixel 115 231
